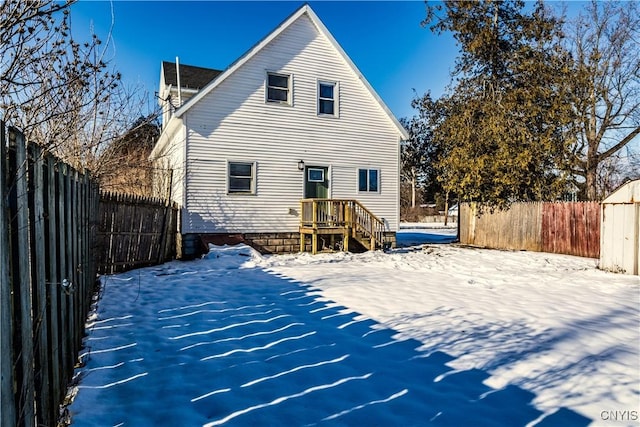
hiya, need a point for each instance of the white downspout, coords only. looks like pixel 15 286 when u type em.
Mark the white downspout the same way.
pixel 178 81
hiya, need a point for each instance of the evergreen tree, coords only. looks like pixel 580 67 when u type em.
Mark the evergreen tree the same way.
pixel 506 123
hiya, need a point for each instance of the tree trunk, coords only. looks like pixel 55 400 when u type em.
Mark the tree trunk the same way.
pixel 413 188
pixel 446 208
pixel 591 184
pixel 591 172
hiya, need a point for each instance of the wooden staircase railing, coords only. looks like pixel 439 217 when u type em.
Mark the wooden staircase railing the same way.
pixel 341 216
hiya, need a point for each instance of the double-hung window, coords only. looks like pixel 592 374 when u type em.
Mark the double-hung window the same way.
pixel 241 177
pixel 327 98
pixel 369 180
pixel 279 88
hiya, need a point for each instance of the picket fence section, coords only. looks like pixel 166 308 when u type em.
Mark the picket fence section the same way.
pixel 134 232
pixel 571 228
pixel 47 277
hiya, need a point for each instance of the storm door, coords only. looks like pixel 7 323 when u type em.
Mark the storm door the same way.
pixel 316 182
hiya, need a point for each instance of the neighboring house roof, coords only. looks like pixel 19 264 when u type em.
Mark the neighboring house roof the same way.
pixel 305 9
pixel 191 77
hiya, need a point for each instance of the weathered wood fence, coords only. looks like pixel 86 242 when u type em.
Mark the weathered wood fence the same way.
pixel 47 277
pixel 134 232
pixel 571 228
pixel 56 233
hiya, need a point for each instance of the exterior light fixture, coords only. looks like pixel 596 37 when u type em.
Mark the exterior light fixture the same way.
pixel 300 165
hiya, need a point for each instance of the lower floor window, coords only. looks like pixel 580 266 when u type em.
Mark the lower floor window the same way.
pixel 368 180
pixel 242 177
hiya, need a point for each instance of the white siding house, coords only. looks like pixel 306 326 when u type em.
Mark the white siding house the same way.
pixel 293 118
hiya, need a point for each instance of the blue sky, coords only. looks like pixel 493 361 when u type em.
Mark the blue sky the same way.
pixel 383 38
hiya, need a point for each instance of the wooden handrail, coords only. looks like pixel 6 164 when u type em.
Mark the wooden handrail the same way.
pixel 343 213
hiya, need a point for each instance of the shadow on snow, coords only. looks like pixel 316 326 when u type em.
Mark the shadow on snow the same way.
pixel 245 347
pixel 408 238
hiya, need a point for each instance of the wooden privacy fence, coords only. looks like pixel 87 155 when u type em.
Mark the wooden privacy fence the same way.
pixel 134 232
pixel 571 228
pixel 47 277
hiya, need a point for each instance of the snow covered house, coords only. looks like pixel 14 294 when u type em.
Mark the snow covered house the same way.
pixel 288 149
pixel 620 230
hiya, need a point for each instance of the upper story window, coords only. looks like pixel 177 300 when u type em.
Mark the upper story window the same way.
pixel 279 88
pixel 241 178
pixel 327 98
pixel 368 180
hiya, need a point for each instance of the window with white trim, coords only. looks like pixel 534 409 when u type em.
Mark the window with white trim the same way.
pixel 327 99
pixel 369 180
pixel 315 175
pixel 279 88
pixel 241 178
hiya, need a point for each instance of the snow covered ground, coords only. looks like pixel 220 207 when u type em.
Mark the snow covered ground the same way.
pixel 424 335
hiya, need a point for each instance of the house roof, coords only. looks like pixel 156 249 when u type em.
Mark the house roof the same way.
pixel 305 9
pixel 191 77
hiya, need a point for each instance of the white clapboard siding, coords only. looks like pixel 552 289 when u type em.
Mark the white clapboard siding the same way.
pixel 172 158
pixel 233 122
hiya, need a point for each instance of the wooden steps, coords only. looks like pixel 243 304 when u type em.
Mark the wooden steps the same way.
pixel 345 223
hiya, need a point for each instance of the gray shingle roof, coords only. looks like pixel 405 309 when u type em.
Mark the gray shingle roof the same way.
pixel 190 77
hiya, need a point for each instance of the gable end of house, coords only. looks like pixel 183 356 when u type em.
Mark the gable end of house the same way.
pixel 322 29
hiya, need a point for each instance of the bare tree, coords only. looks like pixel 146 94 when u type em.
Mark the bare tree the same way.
pixel 607 94
pixel 29 32
pixel 125 166
pixel 35 68
pixel 413 159
pixel 62 92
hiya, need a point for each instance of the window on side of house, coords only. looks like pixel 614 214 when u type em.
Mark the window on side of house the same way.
pixel 241 178
pixel 279 88
pixel 327 104
pixel 368 180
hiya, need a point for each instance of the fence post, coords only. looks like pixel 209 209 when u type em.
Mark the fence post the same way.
pixel 43 383
pixel 164 237
pixel 94 224
pixel 86 271
pixel 27 393
pixel 7 403
pixel 80 229
pixel 54 280
pixel 63 273
pixel 68 254
pixel 73 211
pixel 472 216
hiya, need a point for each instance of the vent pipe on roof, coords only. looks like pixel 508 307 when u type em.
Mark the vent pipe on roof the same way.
pixel 178 82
